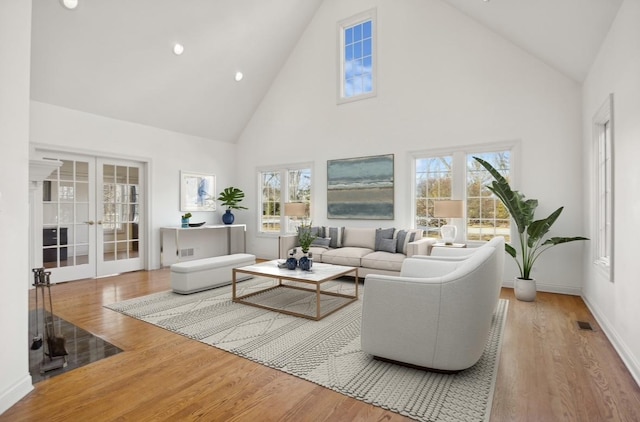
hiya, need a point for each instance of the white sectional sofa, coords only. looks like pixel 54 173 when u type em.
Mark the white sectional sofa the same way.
pixel 374 251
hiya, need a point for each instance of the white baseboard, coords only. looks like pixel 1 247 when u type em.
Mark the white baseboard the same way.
pixel 550 288
pixel 625 354
pixel 14 393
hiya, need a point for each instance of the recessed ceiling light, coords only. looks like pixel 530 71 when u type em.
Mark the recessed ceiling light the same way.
pixel 69 4
pixel 178 49
pixel 239 76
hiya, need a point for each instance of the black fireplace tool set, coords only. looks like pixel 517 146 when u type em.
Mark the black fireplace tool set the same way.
pixel 54 354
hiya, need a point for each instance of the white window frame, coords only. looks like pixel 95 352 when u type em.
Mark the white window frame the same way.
pixel 603 188
pixel 459 176
pixel 283 170
pixel 342 26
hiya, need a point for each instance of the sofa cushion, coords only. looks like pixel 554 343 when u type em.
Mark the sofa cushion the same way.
pixel 382 234
pixel 383 261
pixel 359 237
pixel 350 256
pixel 335 234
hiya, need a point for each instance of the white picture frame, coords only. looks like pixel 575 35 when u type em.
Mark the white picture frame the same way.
pixel 197 191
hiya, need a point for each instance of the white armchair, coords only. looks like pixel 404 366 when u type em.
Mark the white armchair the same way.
pixel 436 314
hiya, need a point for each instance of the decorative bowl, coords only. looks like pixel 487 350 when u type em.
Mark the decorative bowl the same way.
pixel 196 224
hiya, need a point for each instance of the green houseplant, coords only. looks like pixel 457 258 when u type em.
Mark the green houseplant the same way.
pixel 530 232
pixel 305 237
pixel 185 219
pixel 230 198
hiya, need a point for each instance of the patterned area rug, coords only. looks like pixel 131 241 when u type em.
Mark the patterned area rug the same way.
pixel 326 352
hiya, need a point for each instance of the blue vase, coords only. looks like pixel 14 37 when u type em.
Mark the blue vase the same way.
pixel 227 217
pixel 185 222
pixel 305 263
pixel 292 263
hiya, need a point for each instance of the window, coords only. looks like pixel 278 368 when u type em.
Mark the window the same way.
pixel 433 183
pixel 603 151
pixel 441 175
pixel 357 57
pixel 487 217
pixel 278 186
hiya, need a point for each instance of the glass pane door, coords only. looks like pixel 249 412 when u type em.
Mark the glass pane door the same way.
pixel 119 234
pixel 67 203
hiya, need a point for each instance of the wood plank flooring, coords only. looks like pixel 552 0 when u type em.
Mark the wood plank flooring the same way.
pixel 549 370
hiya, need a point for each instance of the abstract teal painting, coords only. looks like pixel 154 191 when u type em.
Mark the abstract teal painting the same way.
pixel 360 188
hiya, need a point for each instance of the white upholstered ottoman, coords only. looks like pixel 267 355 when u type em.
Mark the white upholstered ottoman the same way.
pixel 202 274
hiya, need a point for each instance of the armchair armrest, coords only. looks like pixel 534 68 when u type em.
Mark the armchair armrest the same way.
pixel 285 243
pixel 387 328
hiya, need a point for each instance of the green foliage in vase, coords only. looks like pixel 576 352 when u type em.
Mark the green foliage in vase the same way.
pixel 305 238
pixel 231 198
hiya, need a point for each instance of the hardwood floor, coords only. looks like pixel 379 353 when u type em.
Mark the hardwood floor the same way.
pixel 549 370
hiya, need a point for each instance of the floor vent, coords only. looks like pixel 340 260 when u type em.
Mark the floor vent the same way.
pixel 584 325
pixel 186 252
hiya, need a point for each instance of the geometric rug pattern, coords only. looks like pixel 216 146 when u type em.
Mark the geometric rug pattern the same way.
pixel 326 352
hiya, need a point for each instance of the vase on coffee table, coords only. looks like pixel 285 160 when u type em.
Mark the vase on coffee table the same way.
pixel 305 262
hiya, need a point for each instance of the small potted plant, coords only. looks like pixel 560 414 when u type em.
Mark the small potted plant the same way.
pixel 230 198
pixel 305 238
pixel 185 219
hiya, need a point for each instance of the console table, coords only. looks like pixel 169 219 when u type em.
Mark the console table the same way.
pixel 173 240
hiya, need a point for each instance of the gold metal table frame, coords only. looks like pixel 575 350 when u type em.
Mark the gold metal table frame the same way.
pixel 320 273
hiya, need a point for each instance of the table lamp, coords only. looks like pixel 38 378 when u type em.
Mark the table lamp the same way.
pixel 448 209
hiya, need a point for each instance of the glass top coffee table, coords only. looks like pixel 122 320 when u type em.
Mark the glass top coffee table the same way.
pixel 297 279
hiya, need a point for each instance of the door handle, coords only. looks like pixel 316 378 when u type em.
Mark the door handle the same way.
pixel 100 222
pixel 90 222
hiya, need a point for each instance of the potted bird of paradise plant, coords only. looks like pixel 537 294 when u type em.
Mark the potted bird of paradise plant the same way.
pixel 530 243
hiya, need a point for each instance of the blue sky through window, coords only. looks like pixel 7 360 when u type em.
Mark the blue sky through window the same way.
pixel 358 59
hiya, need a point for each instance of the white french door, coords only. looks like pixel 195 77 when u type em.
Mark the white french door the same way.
pixel 92 217
pixel 118 217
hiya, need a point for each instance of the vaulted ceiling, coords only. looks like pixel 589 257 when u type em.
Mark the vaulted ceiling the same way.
pixel 115 57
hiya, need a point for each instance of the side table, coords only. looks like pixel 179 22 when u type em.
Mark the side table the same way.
pixel 453 245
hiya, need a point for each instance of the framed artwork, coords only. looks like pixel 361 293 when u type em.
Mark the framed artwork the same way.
pixel 197 191
pixel 360 188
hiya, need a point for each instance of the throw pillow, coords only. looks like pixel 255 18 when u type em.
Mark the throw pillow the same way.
pixel 382 234
pixel 317 231
pixel 321 242
pixel 388 245
pixel 404 237
pixel 401 236
pixel 335 234
pixel 410 238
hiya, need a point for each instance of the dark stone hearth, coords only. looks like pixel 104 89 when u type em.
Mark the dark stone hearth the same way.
pixel 82 347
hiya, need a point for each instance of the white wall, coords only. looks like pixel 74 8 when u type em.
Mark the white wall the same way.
pixel 167 152
pixel 616 70
pixel 444 80
pixel 15 25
